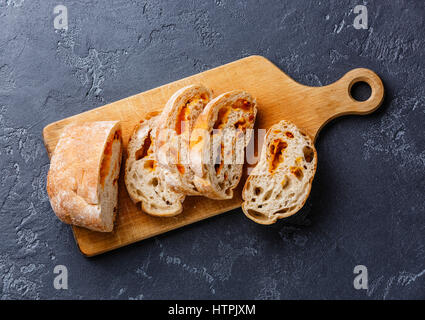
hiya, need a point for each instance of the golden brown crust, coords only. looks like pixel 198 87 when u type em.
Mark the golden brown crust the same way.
pixel 75 173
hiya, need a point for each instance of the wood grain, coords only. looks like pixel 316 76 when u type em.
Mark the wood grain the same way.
pixel 278 96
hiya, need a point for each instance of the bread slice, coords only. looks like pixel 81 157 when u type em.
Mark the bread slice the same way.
pixel 280 183
pixel 82 180
pixel 218 141
pixel 175 125
pixel 144 179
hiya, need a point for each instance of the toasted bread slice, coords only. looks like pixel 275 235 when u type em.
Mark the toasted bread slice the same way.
pixel 84 169
pixel 144 179
pixel 280 183
pixel 175 125
pixel 218 141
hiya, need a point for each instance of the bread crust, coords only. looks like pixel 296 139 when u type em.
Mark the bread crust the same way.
pixel 267 218
pixel 201 139
pixel 171 139
pixel 154 206
pixel 74 178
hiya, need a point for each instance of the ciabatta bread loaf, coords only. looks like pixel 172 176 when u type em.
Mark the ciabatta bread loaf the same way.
pixel 174 128
pixel 82 180
pixel 218 141
pixel 144 178
pixel 280 183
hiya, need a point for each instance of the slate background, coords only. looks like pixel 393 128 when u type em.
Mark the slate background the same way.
pixel 367 202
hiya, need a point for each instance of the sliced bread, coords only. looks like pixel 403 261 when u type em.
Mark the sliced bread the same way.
pixel 280 183
pixel 144 179
pixel 82 180
pixel 218 142
pixel 174 128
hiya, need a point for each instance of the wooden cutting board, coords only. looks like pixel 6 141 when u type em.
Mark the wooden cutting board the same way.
pixel 278 96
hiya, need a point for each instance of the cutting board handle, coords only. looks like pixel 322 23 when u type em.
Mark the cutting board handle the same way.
pixel 377 90
pixel 336 99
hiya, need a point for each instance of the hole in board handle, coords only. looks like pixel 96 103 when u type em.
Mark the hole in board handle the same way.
pixel 360 91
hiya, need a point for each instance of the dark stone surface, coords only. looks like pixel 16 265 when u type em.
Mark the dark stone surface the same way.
pixel 367 202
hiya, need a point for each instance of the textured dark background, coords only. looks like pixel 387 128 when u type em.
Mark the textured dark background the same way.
pixel 367 202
